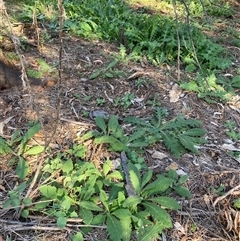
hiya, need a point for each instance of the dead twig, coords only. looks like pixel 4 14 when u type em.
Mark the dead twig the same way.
pixel 225 195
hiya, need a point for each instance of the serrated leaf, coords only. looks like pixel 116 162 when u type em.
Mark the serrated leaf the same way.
pixel 122 213
pixel 137 121
pixel 115 144
pixel 131 201
pixel 90 206
pixel 146 178
pixel 158 186
pixel 67 166
pixel 187 143
pixel 150 232
pixel 86 215
pixel 166 202
pixel 126 224
pixel 173 144
pixel 61 222
pixel 35 150
pixel 136 135
pixel 134 177
pixel 22 168
pixel 115 175
pixel 195 132
pixel 158 214
pixel 114 228
pixel 182 191
pixel 48 191
pixel 100 122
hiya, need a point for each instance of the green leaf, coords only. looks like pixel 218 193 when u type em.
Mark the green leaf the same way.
pixel 182 191
pixel 35 150
pixel 4 147
pixel 112 64
pixel 126 224
pixel 48 191
pixel 77 237
pixel 86 215
pixel 100 122
pixel 122 213
pixel 88 135
pixel 22 168
pixel 183 179
pixel 158 214
pixel 134 177
pixel 66 204
pixel 146 178
pixel 158 186
pixel 173 144
pixel 67 166
pixel 99 219
pixel 113 124
pixel 187 143
pixel 131 201
pixel 27 136
pixel 150 232
pixel 195 132
pixel 115 144
pixel 27 201
pixel 166 202
pixel 136 135
pixel 115 175
pixel 104 199
pixel 25 213
pixel 90 206
pixel 95 74
pixel 61 222
pixel 107 166
pixel 114 228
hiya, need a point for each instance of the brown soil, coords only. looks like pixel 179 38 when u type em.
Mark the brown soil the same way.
pixel 203 216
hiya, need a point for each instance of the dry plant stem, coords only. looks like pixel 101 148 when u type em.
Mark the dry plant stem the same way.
pixel 47 142
pixel 32 225
pixel 190 35
pixel 35 24
pixel 77 122
pixel 178 39
pixel 225 195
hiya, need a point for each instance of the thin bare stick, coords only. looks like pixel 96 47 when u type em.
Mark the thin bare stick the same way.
pixel 178 39
pixel 225 195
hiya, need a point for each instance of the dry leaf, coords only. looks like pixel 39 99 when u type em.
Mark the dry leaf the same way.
pixel 158 155
pixel 136 75
pixel 175 93
pixel 230 147
pixel 173 166
pixel 179 227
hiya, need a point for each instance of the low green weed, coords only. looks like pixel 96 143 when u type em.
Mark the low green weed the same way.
pixel 232 130
pixel 179 135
